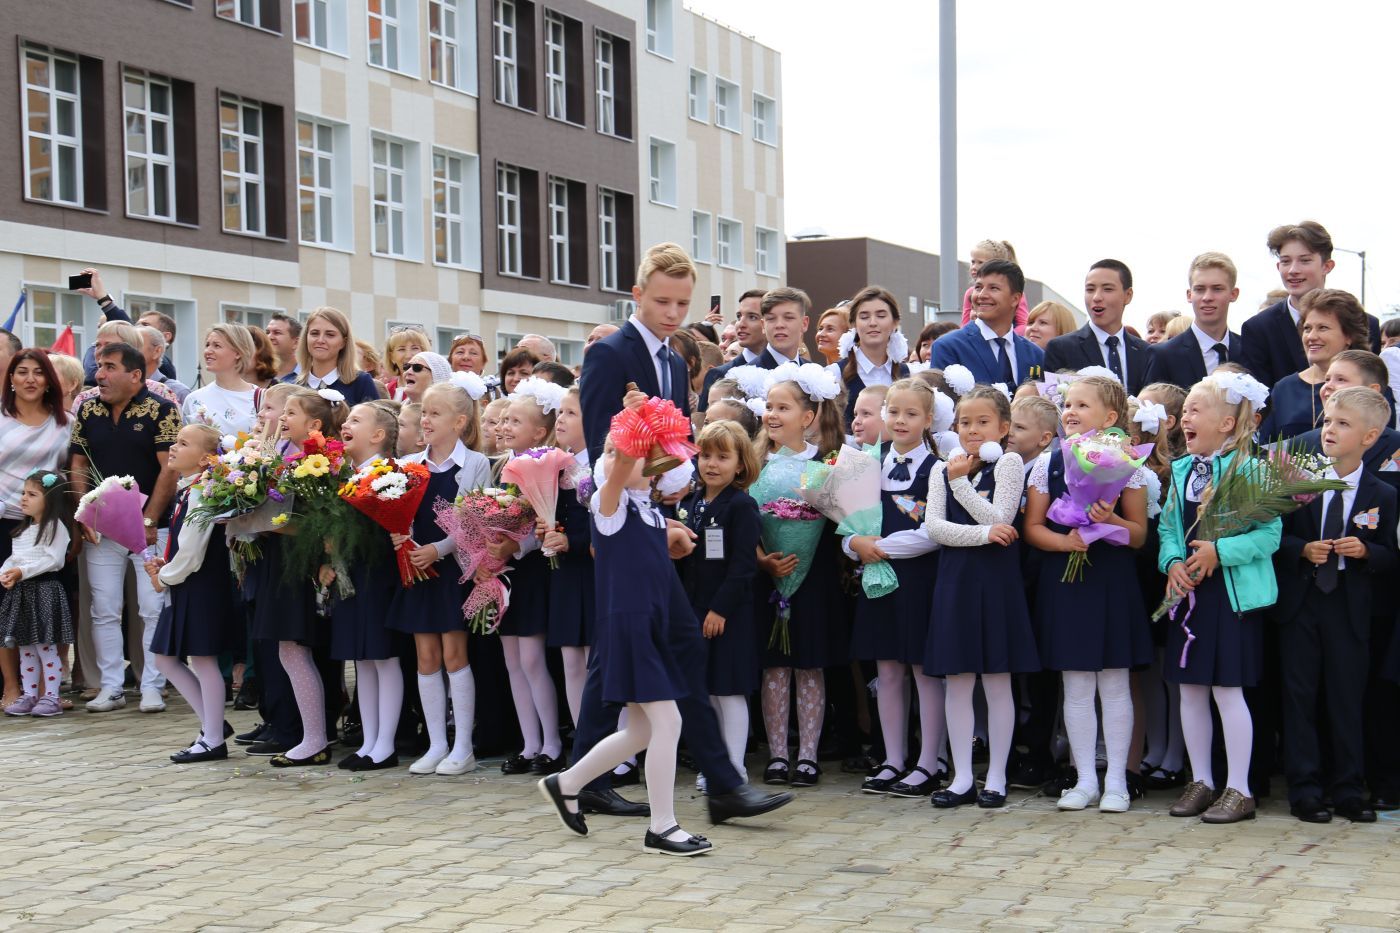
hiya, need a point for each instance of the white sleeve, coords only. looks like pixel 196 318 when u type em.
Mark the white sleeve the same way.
pixel 1006 497
pixel 1040 474
pixel 912 542
pixel 529 543
pixel 1139 478
pixel 193 541
pixel 608 524
pixel 936 524
pixel 33 558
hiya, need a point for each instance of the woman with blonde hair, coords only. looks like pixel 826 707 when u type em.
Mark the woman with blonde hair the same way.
pixel 230 401
pixel 830 326
pixel 1049 320
pixel 404 343
pixel 326 354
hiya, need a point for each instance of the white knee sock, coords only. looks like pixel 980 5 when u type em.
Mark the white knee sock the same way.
pixel 463 686
pixel 960 720
pixel 390 678
pixel 1238 726
pixel 1001 723
pixel 1116 697
pixel 892 699
pixel 433 701
pixel 367 693
pixel 1081 727
pixel 733 713
pixel 1198 731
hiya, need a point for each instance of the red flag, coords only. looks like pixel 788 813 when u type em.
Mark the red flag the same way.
pixel 64 344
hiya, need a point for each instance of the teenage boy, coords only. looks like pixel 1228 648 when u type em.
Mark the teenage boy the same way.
pixel 748 332
pixel 987 346
pixel 1196 352
pixel 1104 341
pixel 785 318
pixel 1272 347
pixel 1334 552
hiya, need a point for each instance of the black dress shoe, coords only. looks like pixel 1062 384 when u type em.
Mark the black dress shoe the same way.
pixel 267 748
pixel 1385 801
pixel 254 734
pixel 991 800
pixel 1137 788
pixel 901 788
pixel 946 799
pixel 1356 810
pixel 610 803
pixel 1310 810
pixel 516 764
pixel 323 757
pixel 543 764
pixel 875 784
pixel 369 764
pixel 249 695
pixel 349 762
pixel 1026 774
pixel 201 752
pixel 744 801
pixel 776 772
pixel 573 821
pixel 657 842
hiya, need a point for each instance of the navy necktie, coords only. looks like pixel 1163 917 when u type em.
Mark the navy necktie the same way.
pixel 664 355
pixel 1008 375
pixel 900 473
pixel 1115 362
pixel 1331 531
pixel 1222 353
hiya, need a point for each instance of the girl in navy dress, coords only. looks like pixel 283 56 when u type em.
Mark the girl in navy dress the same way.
pixel 801 401
pixel 635 662
pixel 719 574
pixel 978 625
pixel 529 422
pixel 358 632
pixel 1231 578
pixel 1094 629
pixel 200 620
pixel 34 613
pixel 571 603
pixel 873 350
pixel 892 630
pixel 431 610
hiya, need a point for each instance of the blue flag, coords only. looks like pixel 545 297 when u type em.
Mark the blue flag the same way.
pixel 14 315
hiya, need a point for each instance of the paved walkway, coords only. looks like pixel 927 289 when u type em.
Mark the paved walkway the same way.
pixel 101 832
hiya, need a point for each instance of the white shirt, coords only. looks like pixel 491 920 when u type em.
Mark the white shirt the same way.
pixel 654 345
pixel 1296 314
pixel 992 337
pixel 32 557
pixel 473 472
pixel 1352 479
pixel 750 358
pixel 314 381
pixel 911 542
pixel 869 373
pixel 808 452
pixel 1102 336
pixel 1208 352
pixel 230 412
pixel 193 541
pixel 780 358
pixel 612 524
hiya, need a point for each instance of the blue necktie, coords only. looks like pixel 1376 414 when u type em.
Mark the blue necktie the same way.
pixel 1115 362
pixel 664 355
pixel 1008 375
pixel 900 473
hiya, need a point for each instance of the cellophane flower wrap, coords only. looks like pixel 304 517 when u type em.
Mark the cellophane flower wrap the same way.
pixel 788 526
pixel 113 510
pixel 389 492
pixel 1098 466
pixel 658 421
pixel 846 489
pixel 326 529
pixel 539 473
pixel 239 489
pixel 475 521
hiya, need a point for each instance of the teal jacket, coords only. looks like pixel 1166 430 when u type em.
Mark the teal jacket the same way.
pixel 1246 559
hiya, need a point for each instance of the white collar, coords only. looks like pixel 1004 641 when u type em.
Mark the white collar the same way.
pixel 457 458
pixel 990 335
pixel 1103 335
pixel 865 367
pixel 581 458
pixel 1352 479
pixel 1208 342
pixel 1292 311
pixel 652 341
pixel 808 453
pixel 314 381
pixel 779 357
pixel 914 458
pixel 750 357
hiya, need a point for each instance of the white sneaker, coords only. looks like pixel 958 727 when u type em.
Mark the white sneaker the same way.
pixel 1076 798
pixel 455 766
pixel 1115 803
pixel 152 702
pixel 107 699
pixel 428 763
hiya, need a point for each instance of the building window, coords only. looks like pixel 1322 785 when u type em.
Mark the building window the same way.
pixel 241 148
pixel 727 106
pixel 182 350
pixel 452 44
pixel 702 246
pixel 558 231
pixel 699 102
pixel 320 23
pixel 663 172
pixel 612 77
pixel 505 342
pixel 765 120
pixel 506 53
pixel 53 152
pixel 316 182
pixel 263 14
pixel 607 100
pixel 607 240
pixel 568 352
pixel 247 315
pixel 554 65
pixel 456 210
pixel 508 230
pixel 148 112
pixel 659 27
pixel 384 33
pixel 765 244
pixel 49 312
pixel 391 168
pixel 729 236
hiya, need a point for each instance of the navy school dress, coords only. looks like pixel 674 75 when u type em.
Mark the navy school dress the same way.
pixel 1228 650
pixel 358 631
pixel 855 385
pixel 719 577
pixel 819 630
pixel 895 627
pixel 571 601
pixel 283 610
pixel 634 577
pixel 432 606
pixel 1098 622
pixel 978 623
pixel 528 612
pixel 201 617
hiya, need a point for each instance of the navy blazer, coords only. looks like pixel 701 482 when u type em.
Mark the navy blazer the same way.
pixel 1180 362
pixel 765 361
pixel 966 346
pixel 1081 348
pixel 724 586
pixel 1296 575
pixel 608 366
pixel 1385 450
pixel 1273 348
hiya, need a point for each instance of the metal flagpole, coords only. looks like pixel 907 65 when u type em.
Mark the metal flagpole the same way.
pixel 949 297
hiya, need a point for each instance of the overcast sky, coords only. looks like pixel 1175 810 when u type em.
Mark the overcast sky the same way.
pixel 1149 133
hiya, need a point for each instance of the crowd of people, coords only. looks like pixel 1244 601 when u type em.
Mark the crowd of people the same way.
pixel 668 608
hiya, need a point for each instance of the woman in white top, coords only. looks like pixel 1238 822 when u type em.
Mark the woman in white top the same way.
pixel 228 403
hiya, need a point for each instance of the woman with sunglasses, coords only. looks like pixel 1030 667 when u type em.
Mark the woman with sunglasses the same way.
pixel 327 356
pixel 405 342
pixel 423 370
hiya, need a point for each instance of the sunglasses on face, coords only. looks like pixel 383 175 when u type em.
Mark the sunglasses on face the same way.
pixel 416 368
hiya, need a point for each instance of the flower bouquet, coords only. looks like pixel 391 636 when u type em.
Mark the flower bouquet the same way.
pixel 788 526
pixel 389 493
pixel 1098 466
pixel 313 479
pixel 113 509
pixel 539 473
pixel 238 488
pixel 658 433
pixel 845 487
pixel 475 521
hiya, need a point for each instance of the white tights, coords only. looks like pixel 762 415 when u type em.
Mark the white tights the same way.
pixel 202 686
pixel 575 673
pixel 380 688
pixel 536 704
pixel 1082 726
pixel 1198 729
pixel 733 714
pixel 892 698
pixel 1001 721
pixel 310 694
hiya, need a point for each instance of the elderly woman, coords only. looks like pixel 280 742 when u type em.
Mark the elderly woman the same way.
pixel 153 347
pixel 422 371
pixel 467 354
pixel 1049 320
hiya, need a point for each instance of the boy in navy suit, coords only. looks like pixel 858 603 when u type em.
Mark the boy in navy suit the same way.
pixel 753 343
pixel 785 318
pixel 1335 552
pixel 1195 353
pixel 1361 368
pixel 1104 341
pixel 987 346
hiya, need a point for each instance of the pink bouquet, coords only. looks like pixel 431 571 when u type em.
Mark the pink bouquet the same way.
pixel 1098 466
pixel 475 521
pixel 539 473
pixel 113 510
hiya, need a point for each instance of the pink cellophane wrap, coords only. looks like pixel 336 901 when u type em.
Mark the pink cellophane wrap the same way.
pixel 116 514
pixel 472 531
pixel 538 474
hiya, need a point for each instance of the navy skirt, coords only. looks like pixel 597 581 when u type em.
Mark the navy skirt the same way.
pixel 895 627
pixel 572 604
pixel 819 630
pixel 528 612
pixel 358 629
pixel 430 607
pixel 283 610
pixel 1228 648
pixel 978 623
pixel 1096 623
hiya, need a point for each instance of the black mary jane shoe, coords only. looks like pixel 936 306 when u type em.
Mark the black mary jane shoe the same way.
pixel 807 777
pixel 543 764
pixel 549 790
pixel 323 757
pixel 903 788
pixel 228 731
pixel 991 800
pixel 516 764
pixel 946 799
pixel 628 777
pixel 776 772
pixel 1158 778
pixel 364 763
pixel 658 843
pixel 351 762
pixel 199 751
pixel 880 785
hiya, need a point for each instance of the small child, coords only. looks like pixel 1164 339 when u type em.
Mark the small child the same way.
pixel 867 418
pixel 410 439
pixel 724 389
pixel 1034 423
pixel 491 417
pixel 34 614
pixel 735 410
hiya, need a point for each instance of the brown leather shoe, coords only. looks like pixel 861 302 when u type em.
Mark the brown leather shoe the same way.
pixel 1194 800
pixel 1232 807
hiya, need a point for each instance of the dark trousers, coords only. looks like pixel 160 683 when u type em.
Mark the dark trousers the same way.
pixel 1323 656
pixel 1039 695
pixel 699 725
pixel 1382 707
pixel 279 705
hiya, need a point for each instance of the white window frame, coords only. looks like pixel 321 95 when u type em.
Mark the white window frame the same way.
pixel 726 117
pixel 388 45
pixel 558 194
pixel 64 302
pixel 505 52
pixel 660 31
pixel 609 279
pixel 328 187
pixel 765 256
pixel 698 96
pixel 729 254
pixel 329 16
pixel 183 311
pixel 455 40
pixel 246 175
pixel 468 216
pixel 405 207
pixel 556 67
pixel 55 142
pixel 233 312
pixel 605 74
pixel 661 161
pixel 147 162
pixel 567 352
pixel 509 229
pixel 765 128
pixel 702 248
pixel 505 342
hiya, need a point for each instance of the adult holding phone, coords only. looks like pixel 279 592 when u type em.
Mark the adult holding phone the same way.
pixel 89 282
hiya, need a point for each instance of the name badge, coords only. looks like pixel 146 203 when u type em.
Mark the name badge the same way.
pixel 714 543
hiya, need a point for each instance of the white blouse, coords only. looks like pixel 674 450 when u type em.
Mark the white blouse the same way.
pixel 32 557
pixel 473 472
pixel 193 541
pixel 912 542
pixel 1001 510
pixel 612 524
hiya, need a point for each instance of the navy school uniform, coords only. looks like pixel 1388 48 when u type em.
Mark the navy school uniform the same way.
pixel 895 627
pixel 432 606
pixel 855 385
pixel 358 631
pixel 1098 622
pixel 978 624
pixel 528 612
pixel 718 577
pixel 571 597
pixel 284 610
pixel 201 617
